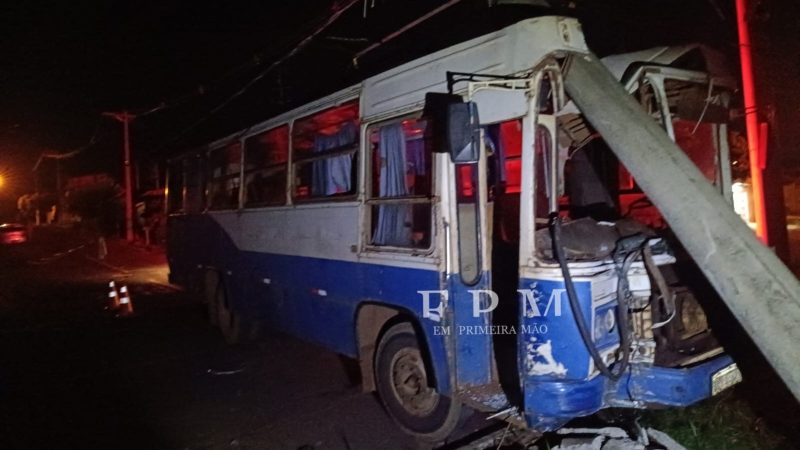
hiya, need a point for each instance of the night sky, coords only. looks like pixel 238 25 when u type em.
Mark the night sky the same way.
pixel 63 63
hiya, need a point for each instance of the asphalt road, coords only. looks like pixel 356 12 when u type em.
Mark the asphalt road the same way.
pixel 74 376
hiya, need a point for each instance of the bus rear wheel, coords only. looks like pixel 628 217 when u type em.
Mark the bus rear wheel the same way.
pixel 226 317
pixel 211 283
pixel 404 389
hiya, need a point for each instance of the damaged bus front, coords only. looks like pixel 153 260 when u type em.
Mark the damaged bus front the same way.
pixel 601 315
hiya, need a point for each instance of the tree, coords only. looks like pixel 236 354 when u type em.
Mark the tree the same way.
pixel 98 205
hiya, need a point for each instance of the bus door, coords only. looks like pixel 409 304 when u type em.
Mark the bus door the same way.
pixel 469 280
pixel 185 198
pixel 478 325
pixel 503 105
pixel 176 218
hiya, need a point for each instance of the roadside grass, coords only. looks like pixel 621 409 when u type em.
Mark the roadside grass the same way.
pixel 725 422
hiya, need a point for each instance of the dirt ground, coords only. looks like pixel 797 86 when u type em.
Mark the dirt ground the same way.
pixel 74 376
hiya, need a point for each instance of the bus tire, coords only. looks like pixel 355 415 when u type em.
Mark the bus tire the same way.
pixel 228 319
pixel 402 384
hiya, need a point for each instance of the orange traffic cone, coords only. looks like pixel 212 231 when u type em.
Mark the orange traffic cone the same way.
pixel 125 303
pixel 113 296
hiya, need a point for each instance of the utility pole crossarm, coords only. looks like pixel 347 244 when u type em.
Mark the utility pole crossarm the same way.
pixel 123 116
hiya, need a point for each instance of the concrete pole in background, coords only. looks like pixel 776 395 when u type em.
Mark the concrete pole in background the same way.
pixel 754 146
pixel 126 118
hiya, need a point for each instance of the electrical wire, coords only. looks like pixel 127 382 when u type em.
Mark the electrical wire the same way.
pixel 334 15
pixel 577 312
pixel 71 153
pixel 256 60
pixel 403 29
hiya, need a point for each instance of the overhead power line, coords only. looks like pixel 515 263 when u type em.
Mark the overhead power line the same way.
pixel 336 12
pixel 257 59
pixel 71 153
pixel 402 30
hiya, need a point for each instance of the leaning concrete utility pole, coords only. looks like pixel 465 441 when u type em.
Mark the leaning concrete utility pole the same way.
pixel 125 117
pixel 762 293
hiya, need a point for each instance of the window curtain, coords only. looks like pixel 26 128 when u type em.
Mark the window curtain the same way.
pixel 333 175
pixel 394 221
pixel 415 153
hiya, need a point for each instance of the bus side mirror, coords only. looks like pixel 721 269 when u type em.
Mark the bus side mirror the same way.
pixel 455 128
pixel 463 132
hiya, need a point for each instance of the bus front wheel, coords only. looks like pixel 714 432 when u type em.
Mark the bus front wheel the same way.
pixel 404 388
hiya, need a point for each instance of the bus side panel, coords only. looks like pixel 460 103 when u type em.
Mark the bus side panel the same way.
pixel 317 299
pixel 310 297
pixel 399 287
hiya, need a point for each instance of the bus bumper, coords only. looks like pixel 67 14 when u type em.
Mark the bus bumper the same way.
pixel 677 387
pixel 551 404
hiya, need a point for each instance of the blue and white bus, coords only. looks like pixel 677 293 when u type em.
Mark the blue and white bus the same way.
pixel 457 226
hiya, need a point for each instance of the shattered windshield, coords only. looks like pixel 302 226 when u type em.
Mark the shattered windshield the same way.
pixel 697 112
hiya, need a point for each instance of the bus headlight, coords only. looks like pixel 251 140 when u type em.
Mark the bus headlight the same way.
pixel 604 323
pixel 725 378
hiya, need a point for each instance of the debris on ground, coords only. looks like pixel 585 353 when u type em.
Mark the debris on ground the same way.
pixel 613 438
pixel 225 372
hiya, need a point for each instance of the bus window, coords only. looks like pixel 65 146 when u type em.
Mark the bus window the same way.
pixel 175 187
pixel 697 111
pixel 265 159
pixel 400 188
pixel 505 165
pixel 468 211
pixel 505 139
pixel 223 167
pixel 325 147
